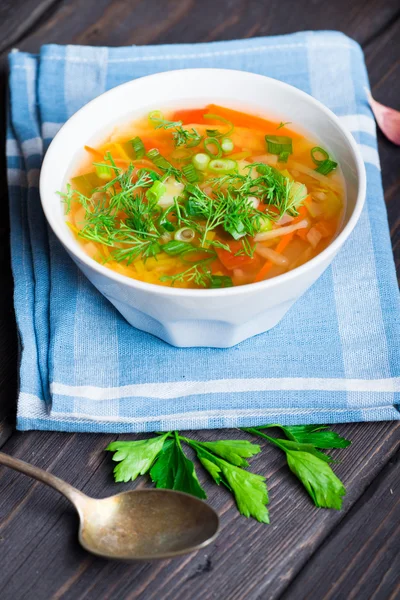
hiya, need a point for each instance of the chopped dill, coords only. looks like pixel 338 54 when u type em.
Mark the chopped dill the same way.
pixel 121 215
pixel 197 274
pixel 282 124
pixel 181 136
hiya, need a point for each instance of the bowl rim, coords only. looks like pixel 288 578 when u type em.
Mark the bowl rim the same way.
pixel 334 246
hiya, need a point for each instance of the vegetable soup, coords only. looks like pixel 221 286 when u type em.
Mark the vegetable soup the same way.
pixel 205 198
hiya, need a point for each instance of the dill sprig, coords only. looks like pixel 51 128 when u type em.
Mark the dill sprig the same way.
pixel 181 136
pixel 197 273
pixel 121 216
pixel 225 208
pixel 269 185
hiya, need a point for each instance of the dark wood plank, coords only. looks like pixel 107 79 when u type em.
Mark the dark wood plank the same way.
pixel 42 558
pixel 105 22
pixel 384 70
pixel 361 557
pixel 248 560
pixel 18 18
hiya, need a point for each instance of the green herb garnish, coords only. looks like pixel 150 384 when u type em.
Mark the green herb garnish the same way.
pixel 309 464
pixel 279 143
pixel 181 136
pixel 163 457
pixel 321 158
pixel 282 124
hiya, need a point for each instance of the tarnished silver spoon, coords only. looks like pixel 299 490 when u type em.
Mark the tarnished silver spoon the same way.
pixel 136 525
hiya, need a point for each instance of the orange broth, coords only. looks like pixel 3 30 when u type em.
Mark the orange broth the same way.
pixel 212 227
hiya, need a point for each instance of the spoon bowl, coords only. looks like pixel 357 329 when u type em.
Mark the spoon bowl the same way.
pixel 143 524
pixel 146 524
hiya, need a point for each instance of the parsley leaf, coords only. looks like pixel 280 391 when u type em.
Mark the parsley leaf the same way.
pixel 312 468
pixel 249 489
pixel 319 436
pixel 288 445
pixel 234 451
pixel 174 471
pixel 135 458
pixel 320 481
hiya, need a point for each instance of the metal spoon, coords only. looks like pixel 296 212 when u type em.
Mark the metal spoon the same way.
pixel 136 525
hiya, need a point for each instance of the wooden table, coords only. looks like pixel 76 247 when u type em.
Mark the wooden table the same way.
pixel 305 552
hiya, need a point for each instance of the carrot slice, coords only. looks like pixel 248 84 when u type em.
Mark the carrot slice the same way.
pixel 263 272
pixel 302 215
pixel 191 115
pixel 285 240
pixel 242 119
pixel 229 260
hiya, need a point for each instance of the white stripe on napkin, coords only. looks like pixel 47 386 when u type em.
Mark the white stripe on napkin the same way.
pixel 12 148
pixel 359 122
pixel 370 155
pixel 185 420
pixel 177 389
pixel 49 129
pixel 232 52
pixel 32 146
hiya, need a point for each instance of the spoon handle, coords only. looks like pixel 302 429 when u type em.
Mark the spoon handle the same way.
pixel 73 495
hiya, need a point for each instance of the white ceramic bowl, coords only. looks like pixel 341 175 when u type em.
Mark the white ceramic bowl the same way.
pixel 187 317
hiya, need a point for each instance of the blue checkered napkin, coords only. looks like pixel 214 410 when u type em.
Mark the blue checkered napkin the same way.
pixel 334 357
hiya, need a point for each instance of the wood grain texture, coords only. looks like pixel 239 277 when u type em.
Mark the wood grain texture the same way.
pixel 360 558
pixel 248 560
pixel 40 556
pixel 384 68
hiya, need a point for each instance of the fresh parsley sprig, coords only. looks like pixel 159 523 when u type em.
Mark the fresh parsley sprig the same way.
pixel 163 457
pixel 307 462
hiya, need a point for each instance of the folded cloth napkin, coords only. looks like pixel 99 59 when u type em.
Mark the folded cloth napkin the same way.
pixel 334 357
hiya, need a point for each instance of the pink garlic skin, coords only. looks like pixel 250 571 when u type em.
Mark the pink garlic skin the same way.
pixel 388 119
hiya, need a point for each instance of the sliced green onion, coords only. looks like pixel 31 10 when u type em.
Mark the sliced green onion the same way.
pixel 326 167
pixel 200 161
pixel 220 281
pixel 319 155
pixel 154 193
pixel 175 247
pixel 217 133
pixel 222 165
pixel 158 159
pixel 283 157
pixel 155 116
pixel 104 172
pixel 214 133
pixel 237 230
pixel 138 147
pixel 227 145
pixel 210 142
pixel 190 173
pixel 185 234
pixel 279 143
